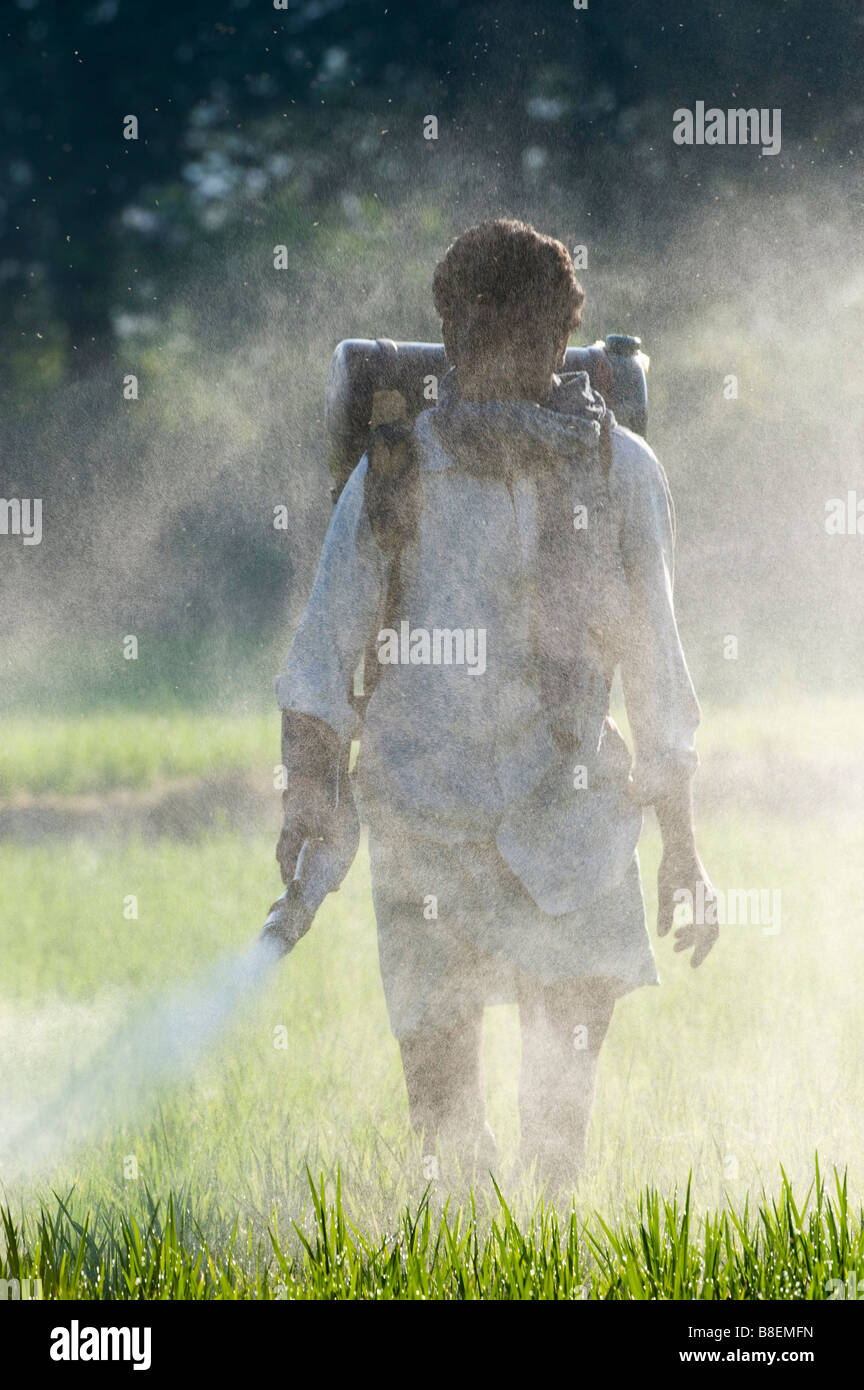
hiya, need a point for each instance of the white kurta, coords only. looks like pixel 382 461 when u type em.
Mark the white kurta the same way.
pixel 458 761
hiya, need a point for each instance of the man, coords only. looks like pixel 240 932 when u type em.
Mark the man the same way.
pixel 523 556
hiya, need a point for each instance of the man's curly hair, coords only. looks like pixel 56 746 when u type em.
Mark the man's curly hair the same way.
pixel 503 283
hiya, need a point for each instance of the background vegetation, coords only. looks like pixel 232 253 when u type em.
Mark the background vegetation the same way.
pixel 303 127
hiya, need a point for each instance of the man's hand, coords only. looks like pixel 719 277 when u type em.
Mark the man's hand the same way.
pixel 682 879
pixel 310 756
pixel 308 815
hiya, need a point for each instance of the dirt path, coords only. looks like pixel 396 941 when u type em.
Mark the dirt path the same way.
pixel 183 808
pixel 186 808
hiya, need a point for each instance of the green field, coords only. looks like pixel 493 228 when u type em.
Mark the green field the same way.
pixel 713 1081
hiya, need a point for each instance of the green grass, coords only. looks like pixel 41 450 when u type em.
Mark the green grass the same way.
pixel 99 753
pixel 753 1061
pixel 707 1086
pixel 786 1249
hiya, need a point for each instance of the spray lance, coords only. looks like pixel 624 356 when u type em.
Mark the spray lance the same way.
pixel 320 870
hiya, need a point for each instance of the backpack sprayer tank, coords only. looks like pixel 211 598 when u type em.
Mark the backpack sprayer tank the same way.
pixel 360 368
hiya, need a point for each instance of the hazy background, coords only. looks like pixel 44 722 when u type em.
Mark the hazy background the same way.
pixel 304 128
